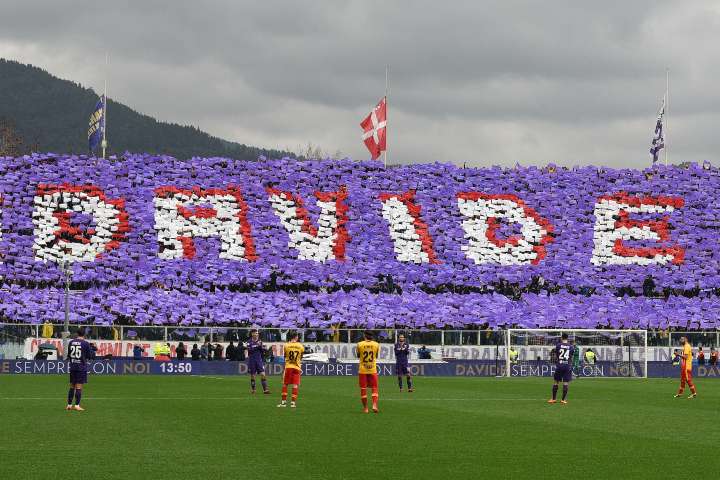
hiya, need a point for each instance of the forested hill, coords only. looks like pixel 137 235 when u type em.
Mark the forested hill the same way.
pixel 51 115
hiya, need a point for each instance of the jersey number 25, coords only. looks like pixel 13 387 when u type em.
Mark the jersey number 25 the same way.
pixel 76 352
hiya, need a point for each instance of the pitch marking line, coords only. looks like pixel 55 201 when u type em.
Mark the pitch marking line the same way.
pixel 462 399
pixel 87 397
pixel 439 399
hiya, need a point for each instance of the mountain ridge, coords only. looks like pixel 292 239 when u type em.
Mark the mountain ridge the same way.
pixel 51 114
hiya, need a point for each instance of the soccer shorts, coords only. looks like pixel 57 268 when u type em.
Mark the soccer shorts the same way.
pixel 291 377
pixel 368 380
pixel 402 369
pixel 255 366
pixel 78 377
pixel 686 376
pixel 563 373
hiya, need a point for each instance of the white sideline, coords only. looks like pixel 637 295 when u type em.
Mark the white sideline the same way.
pixel 406 399
pixel 461 399
pixel 87 397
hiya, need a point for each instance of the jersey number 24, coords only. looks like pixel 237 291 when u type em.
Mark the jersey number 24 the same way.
pixel 564 354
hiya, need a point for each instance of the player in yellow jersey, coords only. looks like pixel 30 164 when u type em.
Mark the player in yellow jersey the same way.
pixel 367 351
pixel 686 369
pixel 293 359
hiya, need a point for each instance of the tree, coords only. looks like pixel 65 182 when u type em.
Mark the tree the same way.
pixel 315 152
pixel 12 143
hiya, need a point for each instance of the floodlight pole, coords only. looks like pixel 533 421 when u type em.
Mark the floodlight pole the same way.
pixel 67 274
pixel 667 110
pixel 105 102
pixel 387 94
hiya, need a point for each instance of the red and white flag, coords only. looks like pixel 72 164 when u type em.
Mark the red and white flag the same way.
pixel 374 127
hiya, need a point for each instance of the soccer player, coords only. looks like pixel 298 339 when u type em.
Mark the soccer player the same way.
pixel 78 353
pixel 367 351
pixel 402 353
pixel 294 351
pixel 563 371
pixel 686 369
pixel 576 356
pixel 255 362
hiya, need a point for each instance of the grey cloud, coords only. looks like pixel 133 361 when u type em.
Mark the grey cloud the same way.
pixel 486 82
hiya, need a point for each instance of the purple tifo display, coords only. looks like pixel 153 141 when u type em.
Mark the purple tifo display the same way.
pixel 152 239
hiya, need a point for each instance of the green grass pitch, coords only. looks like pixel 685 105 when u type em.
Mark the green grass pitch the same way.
pixel 211 427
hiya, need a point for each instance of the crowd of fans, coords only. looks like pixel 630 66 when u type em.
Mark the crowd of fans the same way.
pixel 369 285
pixel 205 351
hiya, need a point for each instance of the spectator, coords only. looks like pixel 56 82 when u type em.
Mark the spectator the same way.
pixel 424 353
pixel 230 351
pixel 162 352
pixel 138 351
pixel 700 356
pixel 676 357
pixel 47 329
pixel 513 355
pixel 41 354
pixel 181 351
pixel 240 351
pixel 195 352
pixel 590 356
pixel 205 351
pixel 218 352
pixel 268 355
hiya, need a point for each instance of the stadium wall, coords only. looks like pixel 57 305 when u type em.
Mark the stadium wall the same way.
pixel 346 351
pixel 463 368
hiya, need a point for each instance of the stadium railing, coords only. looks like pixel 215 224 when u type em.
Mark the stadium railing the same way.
pixel 13 336
pixel 219 333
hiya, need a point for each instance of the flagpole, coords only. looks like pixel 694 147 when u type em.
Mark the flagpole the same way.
pixel 387 88
pixel 105 102
pixel 667 108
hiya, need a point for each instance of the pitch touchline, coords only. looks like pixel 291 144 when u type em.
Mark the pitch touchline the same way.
pixel 248 398
pixel 131 398
pixel 462 399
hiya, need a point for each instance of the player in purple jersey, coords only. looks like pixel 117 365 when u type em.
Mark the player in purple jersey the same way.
pixel 402 353
pixel 563 368
pixel 78 353
pixel 255 362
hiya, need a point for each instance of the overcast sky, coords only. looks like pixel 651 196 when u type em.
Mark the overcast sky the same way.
pixel 482 82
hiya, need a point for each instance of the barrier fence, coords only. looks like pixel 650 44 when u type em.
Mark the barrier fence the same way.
pixel 436 337
pixel 18 340
pixel 478 353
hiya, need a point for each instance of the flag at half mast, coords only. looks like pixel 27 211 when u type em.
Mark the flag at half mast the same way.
pixel 658 141
pixel 96 126
pixel 374 129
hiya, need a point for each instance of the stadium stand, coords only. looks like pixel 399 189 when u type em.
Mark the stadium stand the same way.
pixel 284 243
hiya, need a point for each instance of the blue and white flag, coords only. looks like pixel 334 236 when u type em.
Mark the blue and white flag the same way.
pixel 658 141
pixel 96 127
